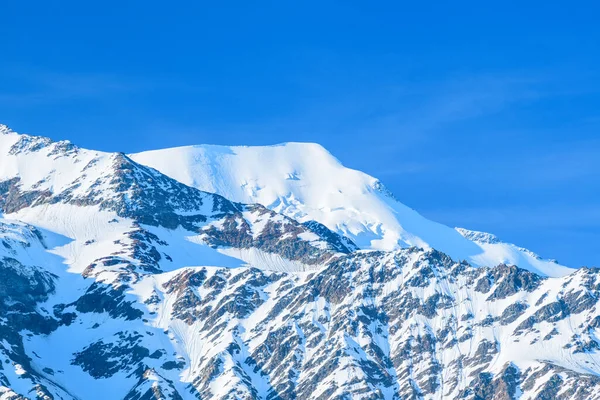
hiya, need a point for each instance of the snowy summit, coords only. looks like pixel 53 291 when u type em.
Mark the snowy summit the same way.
pixel 267 273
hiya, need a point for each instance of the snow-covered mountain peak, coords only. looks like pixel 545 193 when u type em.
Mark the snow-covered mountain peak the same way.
pixel 4 129
pixel 44 182
pixel 302 181
pixel 305 182
pixel 269 169
pixel 118 281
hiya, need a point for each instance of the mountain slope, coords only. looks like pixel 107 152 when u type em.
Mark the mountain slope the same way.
pixel 404 324
pixel 119 282
pixel 305 182
pixel 50 182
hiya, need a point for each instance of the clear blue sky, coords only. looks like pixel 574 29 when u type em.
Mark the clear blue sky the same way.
pixel 476 114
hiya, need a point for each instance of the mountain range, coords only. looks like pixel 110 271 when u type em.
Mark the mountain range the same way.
pixel 273 272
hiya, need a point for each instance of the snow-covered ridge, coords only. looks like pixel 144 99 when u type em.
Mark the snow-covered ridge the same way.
pixel 119 282
pixel 478 236
pixel 300 180
pixel 4 129
pixel 305 182
pixel 45 182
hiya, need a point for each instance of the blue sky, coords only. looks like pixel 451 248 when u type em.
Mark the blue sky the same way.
pixel 478 115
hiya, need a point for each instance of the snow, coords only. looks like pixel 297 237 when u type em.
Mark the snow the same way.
pixel 301 181
pixel 263 260
pixel 44 170
pixel 305 182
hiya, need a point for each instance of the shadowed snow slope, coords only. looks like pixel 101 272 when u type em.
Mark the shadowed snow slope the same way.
pixel 305 182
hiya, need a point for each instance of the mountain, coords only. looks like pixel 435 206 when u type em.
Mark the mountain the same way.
pixel 151 276
pixel 305 182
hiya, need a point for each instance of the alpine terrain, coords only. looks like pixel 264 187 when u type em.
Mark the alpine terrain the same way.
pixel 213 272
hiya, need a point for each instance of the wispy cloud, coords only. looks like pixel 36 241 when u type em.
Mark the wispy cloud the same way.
pixel 33 87
pixel 567 165
pixel 530 217
pixel 466 98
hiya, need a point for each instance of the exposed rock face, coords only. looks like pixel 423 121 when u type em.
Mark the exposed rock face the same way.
pixel 250 333
pixel 101 298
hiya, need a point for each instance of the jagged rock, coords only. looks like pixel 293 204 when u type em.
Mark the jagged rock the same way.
pixel 130 295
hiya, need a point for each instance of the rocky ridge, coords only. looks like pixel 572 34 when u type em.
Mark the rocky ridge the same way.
pixel 120 282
